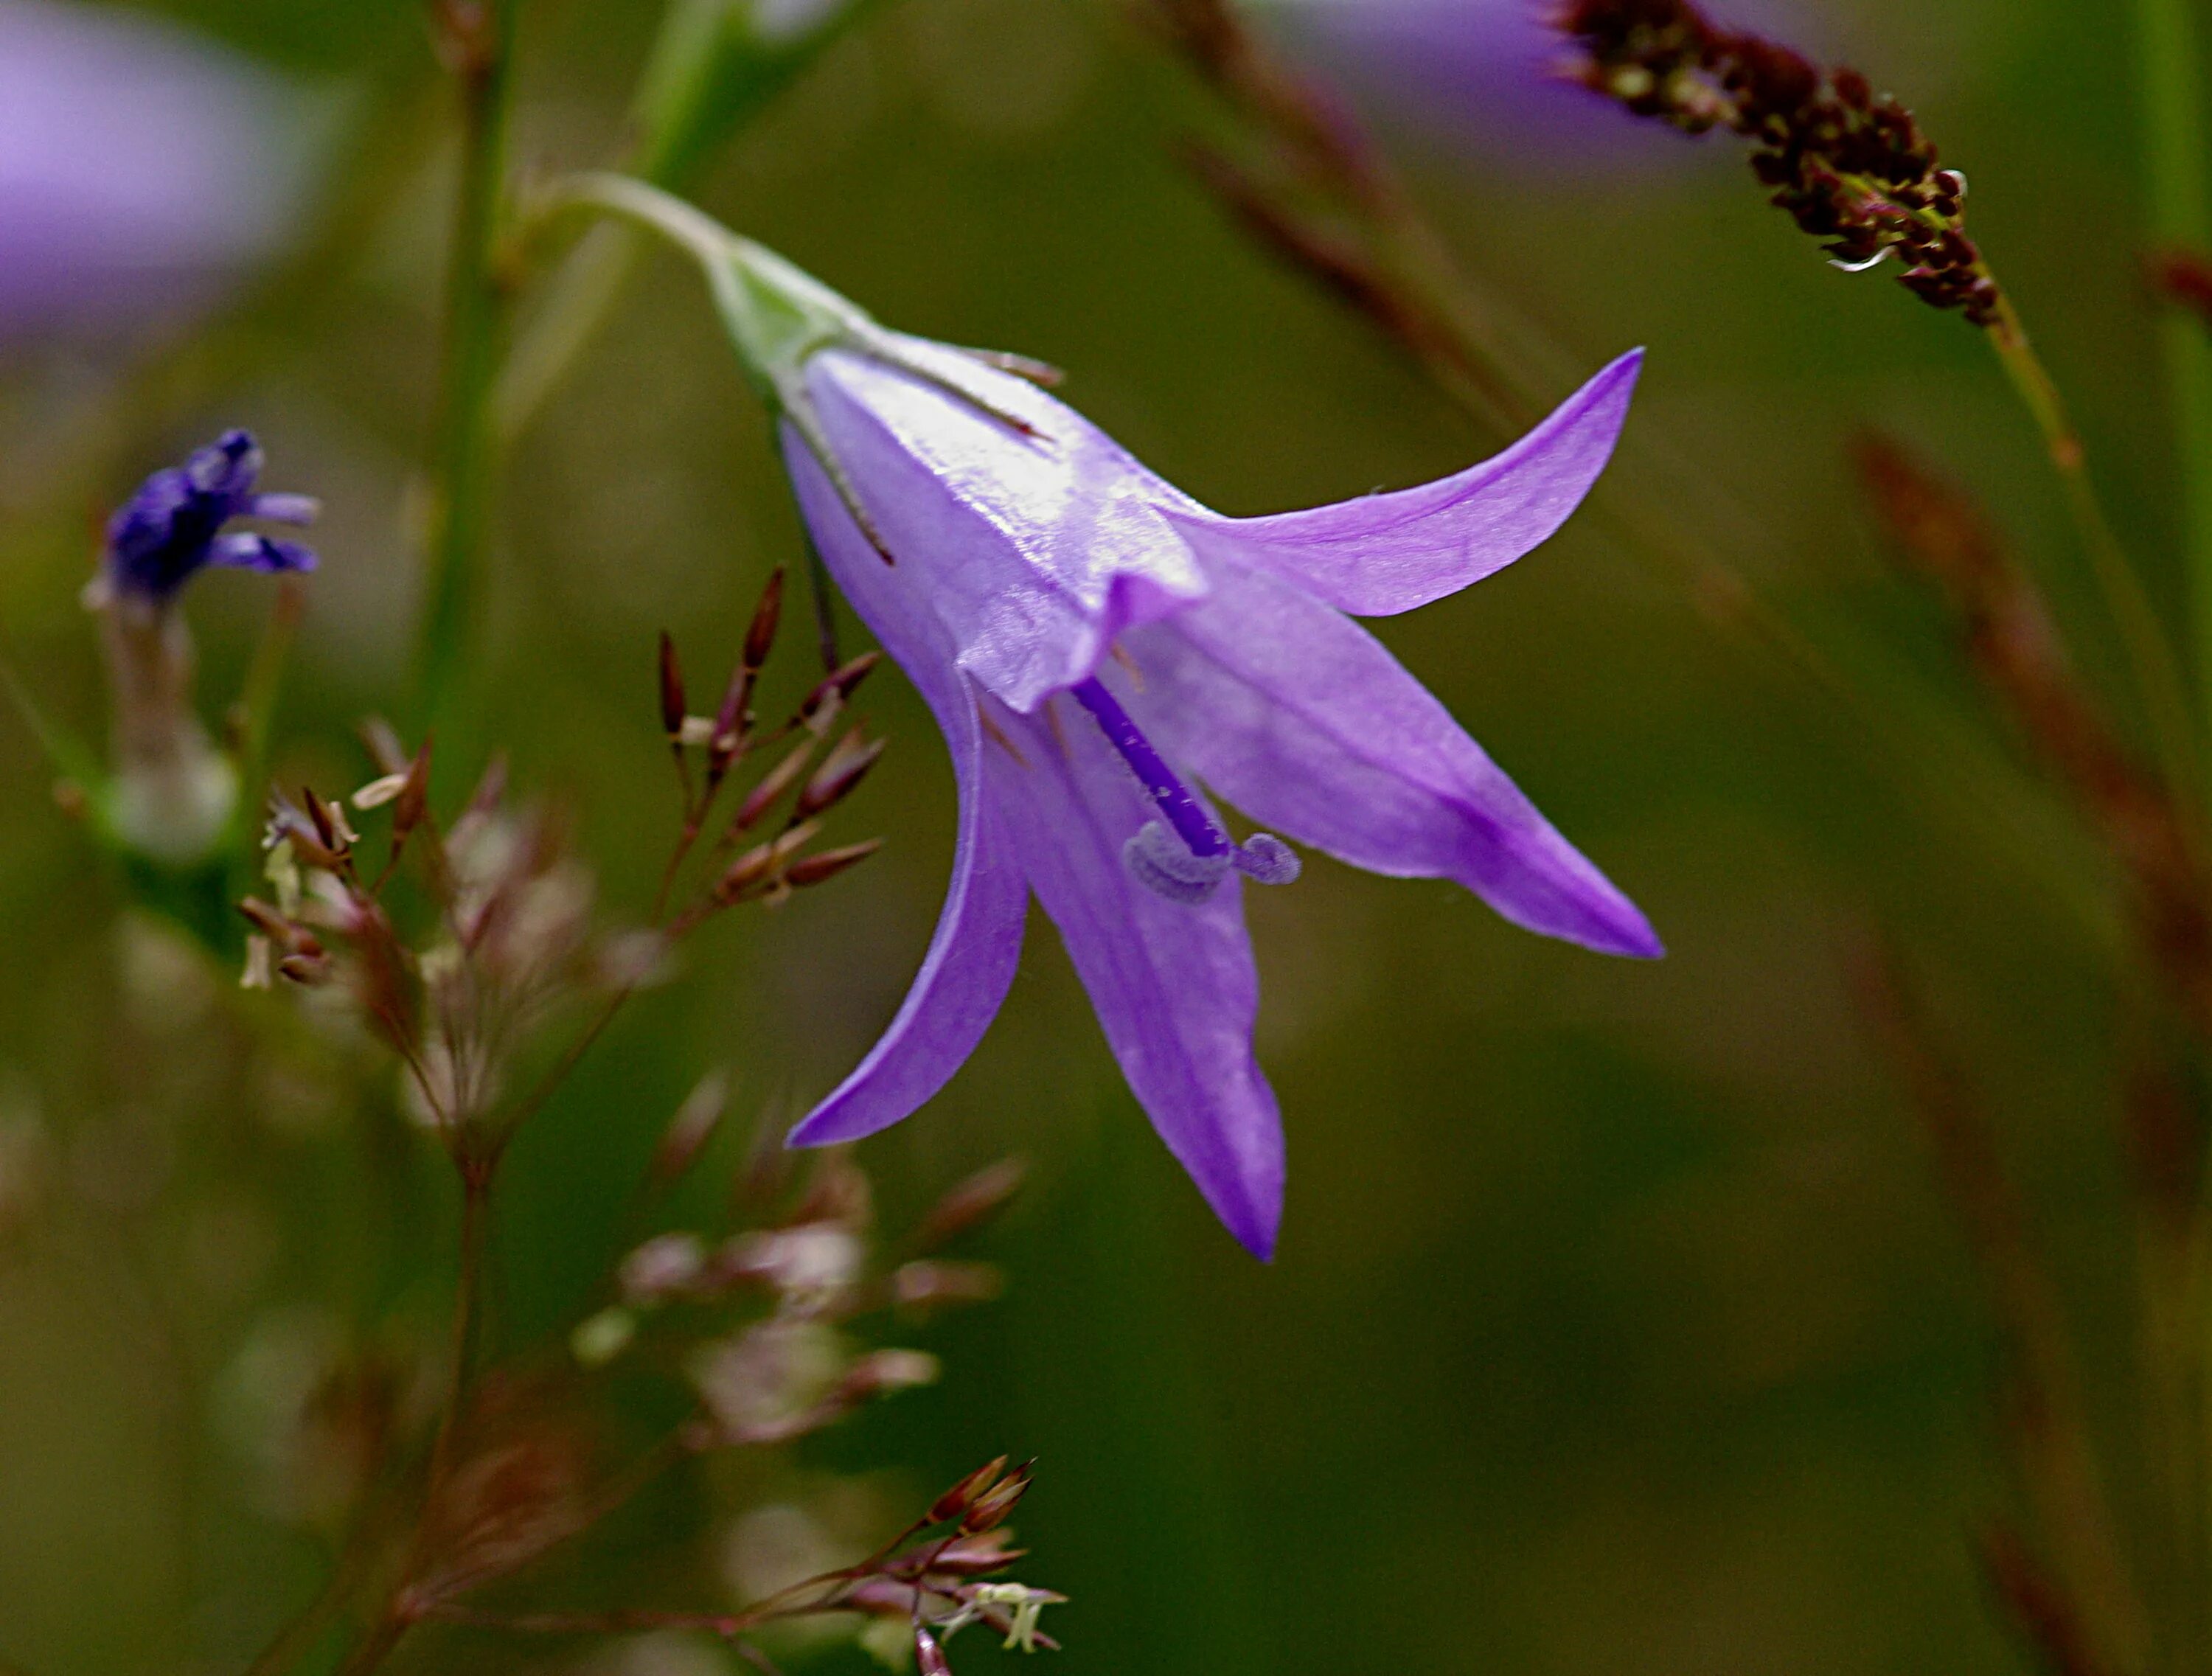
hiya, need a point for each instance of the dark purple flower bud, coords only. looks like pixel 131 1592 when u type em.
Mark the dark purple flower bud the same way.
pixel 173 526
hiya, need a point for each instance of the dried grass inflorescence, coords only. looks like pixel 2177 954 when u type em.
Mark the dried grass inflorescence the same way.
pixel 764 1327
pixel 1850 165
pixel 451 945
pixel 456 943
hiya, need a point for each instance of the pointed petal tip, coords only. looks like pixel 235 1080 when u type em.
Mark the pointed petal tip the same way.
pixel 1251 1211
pixel 1611 388
pixel 1260 1243
pixel 1646 946
pixel 1629 934
pixel 818 1127
pixel 1603 921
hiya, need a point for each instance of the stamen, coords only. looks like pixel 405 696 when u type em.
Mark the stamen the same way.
pixel 1266 859
pixel 1157 861
pixel 1186 858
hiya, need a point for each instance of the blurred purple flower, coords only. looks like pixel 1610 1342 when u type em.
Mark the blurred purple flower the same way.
pixel 1032 557
pixel 138 164
pixel 171 527
pixel 1478 72
pixel 173 794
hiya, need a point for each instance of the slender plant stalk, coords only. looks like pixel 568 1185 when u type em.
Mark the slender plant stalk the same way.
pixel 2159 683
pixel 475 308
pixel 2168 70
pixel 700 91
pixel 468 1302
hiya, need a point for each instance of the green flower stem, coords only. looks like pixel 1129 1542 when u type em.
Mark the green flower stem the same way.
pixel 715 67
pixel 462 454
pixel 2160 687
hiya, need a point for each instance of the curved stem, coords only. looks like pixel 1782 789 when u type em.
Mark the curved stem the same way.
pixel 2159 684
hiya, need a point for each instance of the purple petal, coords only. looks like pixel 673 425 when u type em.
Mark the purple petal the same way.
pixel 1172 983
pixel 227 468
pixel 1300 718
pixel 282 509
pixel 1034 551
pixel 978 943
pixel 251 552
pixel 1389 553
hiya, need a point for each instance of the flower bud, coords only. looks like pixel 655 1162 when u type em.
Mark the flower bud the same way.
pixel 958 1499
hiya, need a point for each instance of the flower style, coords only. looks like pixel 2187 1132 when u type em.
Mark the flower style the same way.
pixel 1095 647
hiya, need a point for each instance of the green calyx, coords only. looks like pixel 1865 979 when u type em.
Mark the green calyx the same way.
pixel 777 315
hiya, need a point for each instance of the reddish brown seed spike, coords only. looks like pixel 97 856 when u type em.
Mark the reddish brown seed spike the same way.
pixel 731 723
pixel 814 869
pixel 993 1506
pixel 266 919
pixel 760 637
pixel 321 817
pixel 772 784
pixel 962 1497
pixel 842 681
pixel 413 802
pixel 672 690
pixel 972 1202
pixel 846 766
pixel 748 869
pixel 293 827
pixel 692 1127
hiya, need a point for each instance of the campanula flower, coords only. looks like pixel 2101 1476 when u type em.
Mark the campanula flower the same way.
pixel 139 165
pixel 1101 652
pixel 173 794
pixel 1096 647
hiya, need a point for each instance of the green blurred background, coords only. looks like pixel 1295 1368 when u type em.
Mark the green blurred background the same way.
pixel 1618 1322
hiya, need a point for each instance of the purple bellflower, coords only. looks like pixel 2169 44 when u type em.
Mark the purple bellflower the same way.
pixel 173 793
pixel 1101 652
